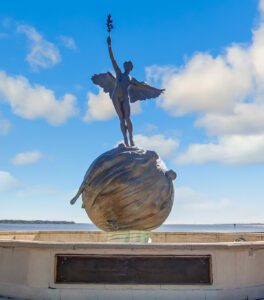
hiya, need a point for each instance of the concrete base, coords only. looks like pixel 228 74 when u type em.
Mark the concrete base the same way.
pixel 134 292
pixel 27 265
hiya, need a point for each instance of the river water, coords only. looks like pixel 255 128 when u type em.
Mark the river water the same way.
pixel 175 227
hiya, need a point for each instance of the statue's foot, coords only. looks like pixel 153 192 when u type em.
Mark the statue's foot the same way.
pixel 126 141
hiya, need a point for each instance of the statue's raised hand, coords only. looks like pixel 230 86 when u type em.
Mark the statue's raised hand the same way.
pixel 109 41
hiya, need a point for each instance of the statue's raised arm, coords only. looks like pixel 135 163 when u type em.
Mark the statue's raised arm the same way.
pixel 123 89
pixel 114 63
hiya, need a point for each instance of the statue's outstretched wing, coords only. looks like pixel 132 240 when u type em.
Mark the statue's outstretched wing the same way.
pixel 142 91
pixel 105 81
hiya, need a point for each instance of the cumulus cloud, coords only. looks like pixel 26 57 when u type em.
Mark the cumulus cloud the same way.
pixel 261 7
pixel 7 182
pixel 246 118
pixel 35 101
pixel 227 93
pixel 43 53
pixel 233 149
pixel 208 84
pixel 27 158
pixel 5 126
pixel 68 42
pixel 100 107
pixel 164 146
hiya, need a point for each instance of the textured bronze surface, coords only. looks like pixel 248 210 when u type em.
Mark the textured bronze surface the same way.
pixel 129 269
pixel 127 188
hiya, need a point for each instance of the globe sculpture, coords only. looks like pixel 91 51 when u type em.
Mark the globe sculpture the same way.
pixel 127 188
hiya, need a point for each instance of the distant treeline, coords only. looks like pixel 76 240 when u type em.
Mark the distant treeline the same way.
pixel 34 222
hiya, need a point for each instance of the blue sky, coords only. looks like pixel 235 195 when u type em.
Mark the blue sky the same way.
pixel 208 126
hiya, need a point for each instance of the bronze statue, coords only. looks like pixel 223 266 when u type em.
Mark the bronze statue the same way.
pixel 123 89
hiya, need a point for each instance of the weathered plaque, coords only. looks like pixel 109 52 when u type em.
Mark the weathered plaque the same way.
pixel 132 269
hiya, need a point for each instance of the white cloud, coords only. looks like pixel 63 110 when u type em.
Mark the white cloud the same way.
pixel 35 101
pixel 26 158
pixel 43 54
pixel 261 6
pixel 193 207
pixel 100 107
pixel 5 126
pixel 214 84
pixel 155 73
pixel 208 84
pixel 68 42
pixel 164 146
pixel 234 149
pixel 245 119
pixel 7 182
pixel 227 93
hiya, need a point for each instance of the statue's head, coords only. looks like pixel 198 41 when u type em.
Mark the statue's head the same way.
pixel 128 66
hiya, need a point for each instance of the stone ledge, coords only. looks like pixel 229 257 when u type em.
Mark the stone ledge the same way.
pixel 133 246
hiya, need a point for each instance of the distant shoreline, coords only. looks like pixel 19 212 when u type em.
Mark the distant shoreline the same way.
pixel 34 222
pixel 72 222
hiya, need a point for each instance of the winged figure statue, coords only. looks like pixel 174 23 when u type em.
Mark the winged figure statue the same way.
pixel 124 90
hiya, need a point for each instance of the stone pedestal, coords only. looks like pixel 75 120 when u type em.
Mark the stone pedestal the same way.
pixel 131 236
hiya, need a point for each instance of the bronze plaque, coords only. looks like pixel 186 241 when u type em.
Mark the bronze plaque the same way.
pixel 133 269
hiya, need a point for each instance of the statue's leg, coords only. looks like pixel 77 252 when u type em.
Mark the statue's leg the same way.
pixel 119 111
pixel 124 131
pixel 126 109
